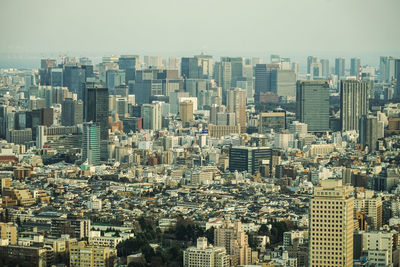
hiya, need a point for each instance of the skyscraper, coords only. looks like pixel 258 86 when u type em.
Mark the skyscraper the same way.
pixel 355 65
pixel 325 67
pixel 339 67
pixel 56 77
pixel 232 237
pixel 397 77
pixel 261 81
pixel 223 75
pixel 96 109
pixel 387 69
pixel 331 225
pixel 152 118
pixel 128 64
pixel 312 104
pixel 236 103
pixel 91 143
pixel 353 103
pixel 186 111
pixel 72 112
pixel 236 67
pixel 310 60
pixel 369 129
pixel 74 78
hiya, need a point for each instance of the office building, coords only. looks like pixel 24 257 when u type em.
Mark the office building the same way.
pixel 233 238
pixel 397 77
pixel 369 132
pixel 312 104
pixel 340 67
pixel 353 103
pixel 370 206
pixel 261 80
pixel 331 225
pixel 236 103
pixel 96 106
pixel 74 78
pixel 355 65
pixel 186 111
pixel 387 69
pixel 248 158
pixel 91 143
pixel 223 75
pixel 325 68
pixel 56 77
pixel 197 67
pixel 310 60
pixel 237 64
pixel 72 112
pixel 114 78
pixel 127 63
pixel 152 116
pixel 205 255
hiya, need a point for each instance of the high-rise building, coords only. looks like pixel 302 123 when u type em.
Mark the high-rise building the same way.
pixel 355 64
pixel 91 143
pixel 236 103
pixel 232 237
pixel 370 206
pixel 353 103
pixel 56 77
pixel 325 68
pixel 387 69
pixel 72 112
pixel 397 77
pixel 152 116
pixel 369 132
pixel 96 109
pixel 248 158
pixel 186 111
pixel 197 67
pixel 205 255
pixel 312 104
pixel 261 80
pixel 74 78
pixel 114 78
pixel 331 225
pixel 237 64
pixel 340 67
pixel 223 75
pixel 310 60
pixel 127 63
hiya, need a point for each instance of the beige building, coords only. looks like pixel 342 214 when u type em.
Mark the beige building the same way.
pixel 218 131
pixel 378 246
pixel 236 103
pixel 204 255
pixel 331 225
pixel 234 239
pixel 370 206
pixel 83 255
pixel 9 232
pixel 186 111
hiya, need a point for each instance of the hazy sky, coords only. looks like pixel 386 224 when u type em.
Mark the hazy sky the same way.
pixel 217 27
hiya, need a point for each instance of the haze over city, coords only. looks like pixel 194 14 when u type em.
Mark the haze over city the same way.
pixel 180 133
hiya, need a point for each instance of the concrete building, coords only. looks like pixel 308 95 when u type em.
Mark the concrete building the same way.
pixel 353 103
pixel 83 255
pixel 9 232
pixel 186 111
pixel 205 255
pixel 151 115
pixel 232 237
pixel 236 103
pixel 340 67
pixel 91 143
pixel 331 225
pixel 312 105
pixel 268 121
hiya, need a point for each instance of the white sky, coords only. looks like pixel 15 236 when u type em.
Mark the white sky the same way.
pixel 216 27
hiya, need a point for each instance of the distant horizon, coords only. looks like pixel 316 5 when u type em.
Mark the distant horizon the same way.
pixel 32 60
